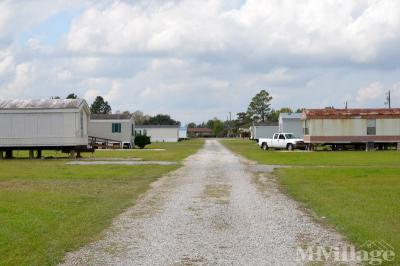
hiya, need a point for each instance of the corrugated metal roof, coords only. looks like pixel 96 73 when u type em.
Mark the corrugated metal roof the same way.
pixel 110 117
pixel 41 104
pixel 290 115
pixel 351 113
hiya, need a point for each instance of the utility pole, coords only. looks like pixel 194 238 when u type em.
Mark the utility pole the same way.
pixel 388 100
pixel 345 105
pixel 230 125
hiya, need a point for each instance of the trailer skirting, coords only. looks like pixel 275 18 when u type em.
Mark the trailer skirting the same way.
pixel 351 139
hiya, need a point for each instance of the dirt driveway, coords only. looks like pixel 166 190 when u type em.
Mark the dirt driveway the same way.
pixel 218 209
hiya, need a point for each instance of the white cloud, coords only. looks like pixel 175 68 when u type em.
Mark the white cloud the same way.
pixel 7 63
pixel 24 75
pixel 200 59
pixel 64 75
pixel 395 93
pixel 370 93
pixel 277 75
pixel 90 95
pixel 20 15
pixel 357 30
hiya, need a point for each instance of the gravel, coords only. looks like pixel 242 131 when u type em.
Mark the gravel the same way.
pixel 218 209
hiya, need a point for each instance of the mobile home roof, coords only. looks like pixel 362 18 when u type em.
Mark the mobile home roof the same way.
pixel 350 113
pixel 41 104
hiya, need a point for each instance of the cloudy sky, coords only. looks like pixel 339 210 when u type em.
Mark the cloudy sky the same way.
pixel 200 59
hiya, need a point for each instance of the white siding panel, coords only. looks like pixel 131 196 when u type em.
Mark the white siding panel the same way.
pixel 39 129
pixel 388 127
pixel 103 129
pixel 352 127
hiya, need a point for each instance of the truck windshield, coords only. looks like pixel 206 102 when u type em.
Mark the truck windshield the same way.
pixel 290 136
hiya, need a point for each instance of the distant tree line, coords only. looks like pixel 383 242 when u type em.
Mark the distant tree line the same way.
pixel 101 106
pixel 258 111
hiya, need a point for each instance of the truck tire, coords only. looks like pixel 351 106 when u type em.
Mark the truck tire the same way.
pixel 264 146
pixel 289 147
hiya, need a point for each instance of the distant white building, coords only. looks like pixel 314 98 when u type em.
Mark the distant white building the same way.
pixel 112 130
pixel 182 134
pixel 159 133
pixel 291 123
pixel 263 130
pixel 43 125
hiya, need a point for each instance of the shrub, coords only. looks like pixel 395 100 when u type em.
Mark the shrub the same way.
pixel 142 141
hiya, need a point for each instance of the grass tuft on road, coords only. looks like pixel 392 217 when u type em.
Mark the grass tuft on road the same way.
pixel 48 208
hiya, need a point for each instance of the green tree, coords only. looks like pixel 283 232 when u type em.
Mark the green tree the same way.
pixel 286 110
pixel 162 119
pixel 99 106
pixel 210 123
pixel 243 119
pixel 273 115
pixel 140 118
pixel 72 96
pixel 192 125
pixel 218 127
pixel 259 106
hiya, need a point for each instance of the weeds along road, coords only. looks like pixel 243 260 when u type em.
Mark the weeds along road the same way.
pixel 218 209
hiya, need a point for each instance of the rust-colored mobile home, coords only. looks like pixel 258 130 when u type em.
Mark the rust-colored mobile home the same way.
pixel 362 128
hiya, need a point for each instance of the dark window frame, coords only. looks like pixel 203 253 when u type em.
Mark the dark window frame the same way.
pixel 306 130
pixel 116 128
pixel 371 129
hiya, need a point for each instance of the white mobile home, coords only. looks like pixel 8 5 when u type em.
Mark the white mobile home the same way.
pixel 159 133
pixel 263 130
pixel 360 127
pixel 43 124
pixel 112 130
pixel 291 123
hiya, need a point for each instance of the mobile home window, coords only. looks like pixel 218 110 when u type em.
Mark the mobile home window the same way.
pixel 116 127
pixel 306 131
pixel 371 127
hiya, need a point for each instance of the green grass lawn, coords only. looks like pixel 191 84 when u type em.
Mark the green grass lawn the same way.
pixel 48 208
pixel 362 203
pixel 251 150
pixel 172 152
pixel 357 192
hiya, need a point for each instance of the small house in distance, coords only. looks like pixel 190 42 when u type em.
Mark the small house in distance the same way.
pixel 360 128
pixel 263 130
pixel 37 125
pixel 200 132
pixel 291 123
pixel 159 133
pixel 112 130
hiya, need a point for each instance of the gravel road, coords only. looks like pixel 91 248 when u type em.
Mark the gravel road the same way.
pixel 218 209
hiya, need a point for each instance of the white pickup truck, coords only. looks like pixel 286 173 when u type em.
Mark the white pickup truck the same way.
pixel 281 141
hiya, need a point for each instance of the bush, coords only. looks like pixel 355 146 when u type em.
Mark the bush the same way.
pixel 142 141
